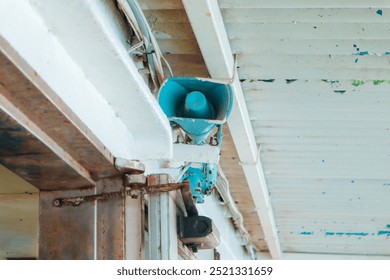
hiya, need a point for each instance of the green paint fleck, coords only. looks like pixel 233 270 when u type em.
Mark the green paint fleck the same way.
pixel 340 91
pixel 378 82
pixel 357 83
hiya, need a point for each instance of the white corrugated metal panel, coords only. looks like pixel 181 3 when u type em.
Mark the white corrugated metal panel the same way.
pixel 316 78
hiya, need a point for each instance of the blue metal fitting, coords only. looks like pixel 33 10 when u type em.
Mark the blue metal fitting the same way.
pixel 202 180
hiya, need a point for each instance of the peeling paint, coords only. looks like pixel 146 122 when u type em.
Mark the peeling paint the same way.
pixel 384 232
pixel 289 81
pixel 346 233
pixel 357 83
pixel 357 233
pixel 362 53
pixel 378 82
pixel 331 82
pixel 306 233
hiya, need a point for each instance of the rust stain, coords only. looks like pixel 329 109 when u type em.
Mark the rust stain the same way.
pixel 208 14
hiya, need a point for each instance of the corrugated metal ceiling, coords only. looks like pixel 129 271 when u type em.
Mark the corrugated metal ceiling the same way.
pixel 316 78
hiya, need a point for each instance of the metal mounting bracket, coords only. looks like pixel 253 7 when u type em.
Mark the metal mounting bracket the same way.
pixel 134 185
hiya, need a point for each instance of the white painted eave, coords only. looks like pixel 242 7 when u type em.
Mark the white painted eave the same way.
pixel 77 51
pixel 207 23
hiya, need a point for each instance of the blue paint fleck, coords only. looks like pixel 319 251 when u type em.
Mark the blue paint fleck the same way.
pixel 306 232
pixel 384 232
pixel 387 53
pixel 388 226
pixel 379 12
pixel 347 233
pixel 356 60
pixel 289 81
pixel 363 53
pixel 357 233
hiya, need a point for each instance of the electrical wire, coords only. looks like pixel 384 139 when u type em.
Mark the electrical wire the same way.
pixel 143 32
pixel 223 189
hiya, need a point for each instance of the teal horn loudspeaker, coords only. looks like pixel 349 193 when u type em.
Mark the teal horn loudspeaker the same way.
pixel 196 105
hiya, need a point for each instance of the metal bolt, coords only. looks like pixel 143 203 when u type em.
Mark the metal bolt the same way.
pixel 56 203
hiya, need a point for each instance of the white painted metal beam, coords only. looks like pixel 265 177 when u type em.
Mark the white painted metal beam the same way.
pixel 206 21
pixel 195 153
pixel 81 61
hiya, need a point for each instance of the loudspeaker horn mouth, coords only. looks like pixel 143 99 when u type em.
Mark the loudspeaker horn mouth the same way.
pixel 197 106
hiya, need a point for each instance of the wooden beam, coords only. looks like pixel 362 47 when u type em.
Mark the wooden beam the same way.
pixel 43 108
pixel 27 156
